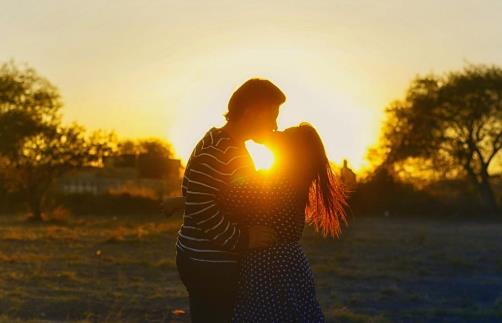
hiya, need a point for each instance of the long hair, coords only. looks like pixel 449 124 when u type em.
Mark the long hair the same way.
pixel 326 199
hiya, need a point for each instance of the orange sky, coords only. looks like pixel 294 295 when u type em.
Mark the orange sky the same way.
pixel 167 68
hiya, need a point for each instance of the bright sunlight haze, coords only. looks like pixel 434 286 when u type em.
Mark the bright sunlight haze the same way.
pixel 167 68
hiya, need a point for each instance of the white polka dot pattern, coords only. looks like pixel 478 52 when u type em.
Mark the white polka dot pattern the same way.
pixel 276 284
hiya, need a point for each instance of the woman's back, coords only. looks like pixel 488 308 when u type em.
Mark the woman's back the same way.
pixel 269 200
pixel 276 283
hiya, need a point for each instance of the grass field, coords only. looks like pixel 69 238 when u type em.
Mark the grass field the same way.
pixel 114 269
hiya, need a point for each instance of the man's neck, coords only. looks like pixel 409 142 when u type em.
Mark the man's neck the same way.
pixel 235 131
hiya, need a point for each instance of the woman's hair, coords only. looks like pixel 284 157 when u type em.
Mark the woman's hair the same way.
pixel 326 198
pixel 251 92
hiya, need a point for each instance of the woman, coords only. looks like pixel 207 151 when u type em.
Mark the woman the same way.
pixel 276 284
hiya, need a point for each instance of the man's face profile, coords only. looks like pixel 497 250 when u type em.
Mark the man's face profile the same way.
pixel 263 121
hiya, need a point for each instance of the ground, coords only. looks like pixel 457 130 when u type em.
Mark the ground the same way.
pixel 122 269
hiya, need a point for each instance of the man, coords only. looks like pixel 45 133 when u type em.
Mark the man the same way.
pixel 209 243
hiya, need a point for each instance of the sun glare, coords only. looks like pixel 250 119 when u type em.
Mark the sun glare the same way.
pixel 263 158
pixel 315 94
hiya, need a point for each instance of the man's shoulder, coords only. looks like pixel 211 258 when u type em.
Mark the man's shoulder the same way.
pixel 217 138
pixel 218 150
pixel 218 142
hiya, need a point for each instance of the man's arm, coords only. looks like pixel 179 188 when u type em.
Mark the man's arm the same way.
pixel 208 174
pixel 258 236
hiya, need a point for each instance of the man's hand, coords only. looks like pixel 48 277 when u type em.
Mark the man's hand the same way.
pixel 173 205
pixel 261 236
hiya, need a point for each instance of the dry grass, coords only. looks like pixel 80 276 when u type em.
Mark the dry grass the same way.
pixel 78 230
pixel 122 269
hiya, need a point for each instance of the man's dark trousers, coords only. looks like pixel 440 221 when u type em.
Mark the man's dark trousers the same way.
pixel 211 288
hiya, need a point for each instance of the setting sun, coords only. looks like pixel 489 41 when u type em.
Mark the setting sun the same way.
pixel 263 158
pixel 127 153
pixel 165 76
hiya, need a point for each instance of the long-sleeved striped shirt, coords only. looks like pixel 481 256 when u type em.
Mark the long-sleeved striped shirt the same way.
pixel 207 234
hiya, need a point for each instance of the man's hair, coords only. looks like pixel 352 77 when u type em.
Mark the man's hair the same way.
pixel 251 92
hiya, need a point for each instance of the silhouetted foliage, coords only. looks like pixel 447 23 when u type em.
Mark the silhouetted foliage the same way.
pixel 28 105
pixel 451 126
pixel 150 156
pixel 383 194
pixel 35 147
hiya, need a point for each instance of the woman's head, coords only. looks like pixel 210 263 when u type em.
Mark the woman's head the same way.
pixel 301 156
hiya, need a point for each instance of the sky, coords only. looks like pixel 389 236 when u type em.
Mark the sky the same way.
pixel 167 68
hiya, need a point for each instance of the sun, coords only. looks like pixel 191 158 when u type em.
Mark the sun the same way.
pixel 263 158
pixel 347 123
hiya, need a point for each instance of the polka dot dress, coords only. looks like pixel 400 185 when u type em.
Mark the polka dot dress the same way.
pixel 276 284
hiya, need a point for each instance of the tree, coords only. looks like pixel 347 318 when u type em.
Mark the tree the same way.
pixel 28 105
pixel 151 157
pixel 35 148
pixel 450 125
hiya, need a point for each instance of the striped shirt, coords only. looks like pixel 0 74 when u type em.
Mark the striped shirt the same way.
pixel 207 234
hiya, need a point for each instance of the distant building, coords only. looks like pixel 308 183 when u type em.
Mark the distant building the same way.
pixel 123 174
pixel 348 176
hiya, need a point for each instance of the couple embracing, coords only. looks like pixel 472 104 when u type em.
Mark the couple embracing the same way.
pixel 238 251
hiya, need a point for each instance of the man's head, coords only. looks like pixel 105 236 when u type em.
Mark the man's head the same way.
pixel 254 106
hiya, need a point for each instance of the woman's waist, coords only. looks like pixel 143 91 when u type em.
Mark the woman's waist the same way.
pixel 279 246
pixel 285 232
pixel 281 254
